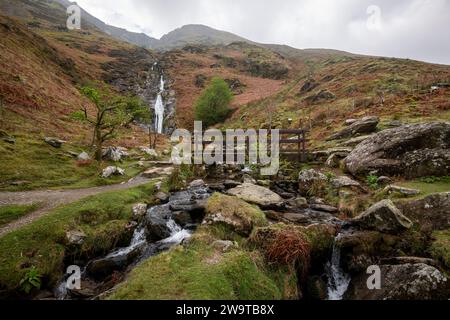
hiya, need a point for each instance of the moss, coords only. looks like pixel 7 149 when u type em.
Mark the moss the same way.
pixel 197 271
pixel 42 244
pixel 440 249
pixel 235 213
pixel 14 212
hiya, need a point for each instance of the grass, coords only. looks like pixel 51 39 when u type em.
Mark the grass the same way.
pixel 42 244
pixel 199 272
pixel 11 213
pixel 32 164
pixel 428 185
pixel 440 249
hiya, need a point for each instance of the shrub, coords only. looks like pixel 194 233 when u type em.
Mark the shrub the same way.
pixel 31 280
pixel 213 106
pixel 372 181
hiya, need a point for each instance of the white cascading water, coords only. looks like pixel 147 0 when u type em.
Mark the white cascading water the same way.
pixel 338 280
pixel 160 108
pixel 178 235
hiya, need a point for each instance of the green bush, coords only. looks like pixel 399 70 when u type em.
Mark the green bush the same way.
pixel 213 106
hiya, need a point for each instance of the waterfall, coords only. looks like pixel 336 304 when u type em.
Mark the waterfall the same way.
pixel 159 108
pixel 338 280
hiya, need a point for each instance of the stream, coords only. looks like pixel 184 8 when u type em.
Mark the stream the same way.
pixel 338 280
pixel 163 227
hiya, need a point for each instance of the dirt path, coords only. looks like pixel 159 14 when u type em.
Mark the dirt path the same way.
pixel 51 199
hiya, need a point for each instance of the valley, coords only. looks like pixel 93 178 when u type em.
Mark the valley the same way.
pixel 373 189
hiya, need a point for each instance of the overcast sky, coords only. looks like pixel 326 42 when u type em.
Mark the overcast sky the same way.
pixel 416 29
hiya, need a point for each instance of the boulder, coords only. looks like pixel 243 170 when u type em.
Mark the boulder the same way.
pixel 150 152
pixel 197 184
pixel 402 282
pixel 324 208
pixel 111 170
pixel 309 217
pixel 256 195
pixel 236 214
pixel 224 246
pixel 158 172
pixel 54 142
pixel 75 237
pixel 354 141
pixel 307 179
pixel 411 151
pixel 162 197
pixel 322 95
pixel 430 213
pixel 345 182
pixel 383 217
pixel 309 86
pixel 139 209
pixel 402 191
pixel 84 156
pixel 114 154
pixel 383 180
pixel 157 228
pixel 364 126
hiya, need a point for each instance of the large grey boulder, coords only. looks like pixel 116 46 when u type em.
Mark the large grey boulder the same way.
pixel 402 282
pixel 383 217
pixel 112 170
pixel 258 195
pixel 412 151
pixel 360 127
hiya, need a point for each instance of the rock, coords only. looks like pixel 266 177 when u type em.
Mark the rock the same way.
pixel 264 183
pixel 383 180
pixel 217 187
pixel 310 217
pixel 111 170
pixel 75 237
pixel 8 139
pixel 197 183
pixel 191 206
pixel 139 210
pixel 307 179
pixel 248 179
pixel 182 218
pixel 334 161
pixel 55 143
pixel 355 141
pixel 395 124
pixel 233 213
pixel 151 152
pixel 409 260
pixel 400 190
pixel 113 154
pixel 256 195
pixel 349 122
pixel 383 217
pixel 224 246
pixel 402 282
pixel 301 202
pixel 162 197
pixel 84 156
pixel 411 151
pixel 364 126
pixel 158 172
pixel 322 95
pixel 157 228
pixel 309 86
pixel 324 208
pixel 430 213
pixel 345 182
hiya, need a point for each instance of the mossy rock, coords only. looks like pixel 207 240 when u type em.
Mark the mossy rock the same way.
pixel 236 214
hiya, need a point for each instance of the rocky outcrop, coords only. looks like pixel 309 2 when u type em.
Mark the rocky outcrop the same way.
pixel 322 95
pixel 360 127
pixel 54 142
pixel 402 282
pixel 383 217
pixel 257 195
pixel 412 151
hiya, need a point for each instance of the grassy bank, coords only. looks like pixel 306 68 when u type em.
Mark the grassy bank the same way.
pixel 14 212
pixel 42 245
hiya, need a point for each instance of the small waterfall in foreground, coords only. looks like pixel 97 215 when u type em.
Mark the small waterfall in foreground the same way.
pixel 338 280
pixel 160 108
